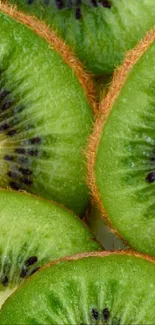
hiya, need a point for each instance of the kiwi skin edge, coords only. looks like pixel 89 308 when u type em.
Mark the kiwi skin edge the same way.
pixel 41 29
pixel 40 198
pixel 119 78
pixel 94 254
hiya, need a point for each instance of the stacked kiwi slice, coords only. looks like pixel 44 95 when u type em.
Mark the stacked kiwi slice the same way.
pixel 46 105
pixel 97 288
pixel 99 31
pixel 46 115
pixel 33 232
pixel 121 150
pixel 52 270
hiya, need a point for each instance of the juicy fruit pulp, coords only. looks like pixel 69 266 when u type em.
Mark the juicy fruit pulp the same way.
pixel 45 117
pixel 99 31
pixel 34 232
pixel 124 163
pixel 115 289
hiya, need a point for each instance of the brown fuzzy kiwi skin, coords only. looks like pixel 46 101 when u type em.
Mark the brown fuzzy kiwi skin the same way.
pixel 85 255
pixel 93 254
pixel 119 78
pixel 41 29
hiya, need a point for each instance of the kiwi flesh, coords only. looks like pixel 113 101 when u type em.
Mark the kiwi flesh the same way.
pixel 121 159
pixel 99 31
pixel 96 288
pixel 46 102
pixel 33 232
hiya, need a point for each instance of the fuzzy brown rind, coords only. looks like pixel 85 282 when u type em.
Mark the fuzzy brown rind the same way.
pixel 45 32
pixel 119 78
pixel 85 255
pixel 100 254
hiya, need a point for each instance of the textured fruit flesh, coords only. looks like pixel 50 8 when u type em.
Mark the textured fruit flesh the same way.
pixel 45 119
pixel 125 161
pixel 34 232
pixel 111 290
pixel 99 31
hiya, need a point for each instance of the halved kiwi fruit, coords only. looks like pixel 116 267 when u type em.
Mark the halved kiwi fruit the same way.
pixel 121 155
pixel 45 112
pixel 33 232
pixel 98 288
pixel 99 31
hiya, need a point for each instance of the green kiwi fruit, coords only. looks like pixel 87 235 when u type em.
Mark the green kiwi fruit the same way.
pixel 99 31
pixel 96 288
pixel 45 112
pixel 35 231
pixel 121 153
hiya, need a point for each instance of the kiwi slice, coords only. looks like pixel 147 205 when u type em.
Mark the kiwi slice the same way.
pixel 98 288
pixel 99 31
pixel 45 112
pixel 121 155
pixel 33 232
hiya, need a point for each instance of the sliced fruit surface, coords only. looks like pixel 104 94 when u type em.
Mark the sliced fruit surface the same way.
pixel 33 232
pixel 122 170
pixel 45 115
pixel 99 31
pixel 104 289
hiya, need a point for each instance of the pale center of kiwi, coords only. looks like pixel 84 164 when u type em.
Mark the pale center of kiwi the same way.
pixel 5 294
pixel 8 281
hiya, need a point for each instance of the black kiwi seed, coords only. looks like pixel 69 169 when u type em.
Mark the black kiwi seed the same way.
pixel 4 280
pixel 106 4
pixel 35 140
pixel 33 152
pixel 59 4
pixel 31 260
pixel 106 314
pixel 150 178
pixel 4 93
pixel 14 185
pixel 11 132
pixel 30 2
pixel 24 272
pixel 8 158
pixel 25 171
pixel 6 105
pixel 20 151
pixel 13 174
pixel 4 127
pixel 78 13
pixel 95 314
pixel 94 3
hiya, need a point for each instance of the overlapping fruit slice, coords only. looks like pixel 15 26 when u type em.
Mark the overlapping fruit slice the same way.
pixel 45 112
pixel 98 288
pixel 99 31
pixel 33 232
pixel 121 156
